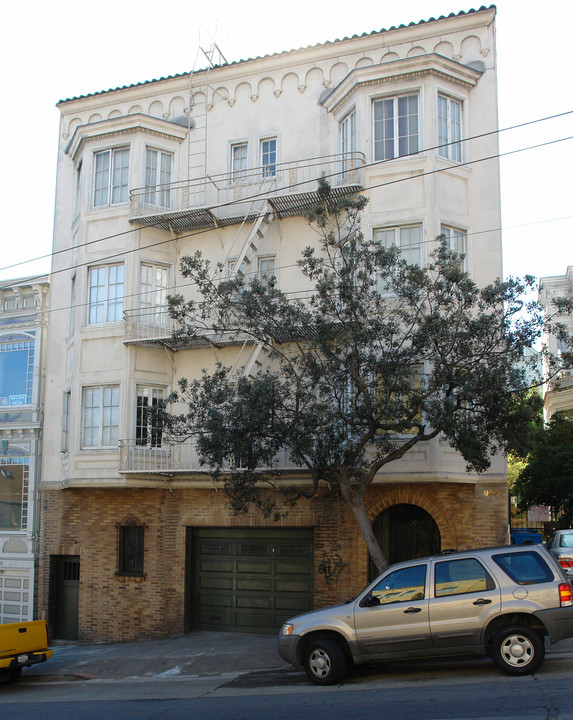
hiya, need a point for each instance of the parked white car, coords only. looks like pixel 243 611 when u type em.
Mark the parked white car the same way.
pixel 560 545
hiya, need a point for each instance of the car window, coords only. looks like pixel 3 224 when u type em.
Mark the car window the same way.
pixel 525 568
pixel 550 541
pixel 566 540
pixel 456 577
pixel 403 585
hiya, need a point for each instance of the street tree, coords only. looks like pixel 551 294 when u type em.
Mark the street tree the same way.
pixel 379 358
pixel 546 477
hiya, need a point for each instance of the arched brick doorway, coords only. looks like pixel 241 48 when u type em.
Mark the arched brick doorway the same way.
pixel 404 532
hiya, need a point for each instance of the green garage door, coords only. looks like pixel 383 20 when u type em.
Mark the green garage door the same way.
pixel 249 580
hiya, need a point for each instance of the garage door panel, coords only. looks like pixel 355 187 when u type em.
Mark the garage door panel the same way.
pixel 254 584
pixel 293 586
pixel 244 566
pixel 217 566
pixel 250 580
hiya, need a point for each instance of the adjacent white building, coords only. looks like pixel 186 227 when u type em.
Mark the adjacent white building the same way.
pixel 137 539
pixel 24 305
pixel 557 394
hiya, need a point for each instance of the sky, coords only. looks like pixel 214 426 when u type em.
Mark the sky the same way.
pixel 58 49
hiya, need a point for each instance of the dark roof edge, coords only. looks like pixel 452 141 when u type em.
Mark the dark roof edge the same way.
pixel 284 52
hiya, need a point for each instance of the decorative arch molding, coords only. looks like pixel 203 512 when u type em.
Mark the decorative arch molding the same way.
pixel 422 497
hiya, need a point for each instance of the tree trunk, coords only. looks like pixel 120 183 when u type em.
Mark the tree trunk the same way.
pixel 356 504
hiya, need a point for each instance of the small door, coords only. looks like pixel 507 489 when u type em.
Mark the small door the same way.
pixel 67 594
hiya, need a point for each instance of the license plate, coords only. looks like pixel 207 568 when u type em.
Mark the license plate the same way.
pixel 22 658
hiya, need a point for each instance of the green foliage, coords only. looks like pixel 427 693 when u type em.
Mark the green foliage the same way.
pixel 547 477
pixel 384 356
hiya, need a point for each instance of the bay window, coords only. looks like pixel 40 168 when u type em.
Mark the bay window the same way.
pixel 449 128
pixel 396 127
pixel 111 177
pixel 100 416
pixel 105 293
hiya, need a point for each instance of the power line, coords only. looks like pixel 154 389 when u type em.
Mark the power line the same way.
pixel 123 253
pixel 367 165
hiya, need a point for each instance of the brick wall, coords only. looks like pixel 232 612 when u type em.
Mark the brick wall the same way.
pixel 112 609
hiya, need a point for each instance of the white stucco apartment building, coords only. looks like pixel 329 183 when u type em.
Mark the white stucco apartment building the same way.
pixel 558 394
pixel 137 539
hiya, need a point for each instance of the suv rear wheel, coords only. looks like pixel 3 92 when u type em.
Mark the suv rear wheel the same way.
pixel 517 650
pixel 324 662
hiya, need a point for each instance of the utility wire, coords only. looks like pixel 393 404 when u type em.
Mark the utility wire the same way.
pixel 367 165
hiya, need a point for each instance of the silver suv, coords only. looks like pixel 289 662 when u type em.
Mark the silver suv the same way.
pixel 499 602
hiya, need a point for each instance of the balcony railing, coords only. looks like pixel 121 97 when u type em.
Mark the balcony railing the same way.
pixel 227 198
pixel 178 458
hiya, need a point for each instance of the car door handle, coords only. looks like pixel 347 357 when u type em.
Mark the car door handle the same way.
pixel 411 610
pixel 482 601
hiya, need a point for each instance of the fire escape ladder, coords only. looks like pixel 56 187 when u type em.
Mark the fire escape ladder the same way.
pixel 252 244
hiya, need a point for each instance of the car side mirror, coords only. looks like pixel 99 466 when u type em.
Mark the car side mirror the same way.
pixel 370 601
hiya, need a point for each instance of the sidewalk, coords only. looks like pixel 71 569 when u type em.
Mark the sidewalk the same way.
pixel 198 654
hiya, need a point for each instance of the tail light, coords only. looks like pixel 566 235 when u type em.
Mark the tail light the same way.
pixel 565 594
pixel 566 562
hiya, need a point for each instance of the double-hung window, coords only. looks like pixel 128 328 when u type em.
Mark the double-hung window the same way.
pixel 348 142
pixel 449 128
pixel 158 174
pixel 148 429
pixel 457 240
pixel 100 416
pixel 111 177
pixel 106 291
pixel 269 157
pixel 407 238
pixel 266 268
pixel 239 161
pixel 154 285
pixel 396 127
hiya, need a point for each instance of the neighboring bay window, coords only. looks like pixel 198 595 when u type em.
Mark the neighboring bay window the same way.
pixel 100 416
pixel 158 173
pixel 106 290
pixel 449 128
pixel 266 268
pixel 348 143
pixel 396 127
pixel 16 370
pixel 14 478
pixel 111 177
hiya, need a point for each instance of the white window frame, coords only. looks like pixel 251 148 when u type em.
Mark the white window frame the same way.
pixel 399 230
pixel 263 274
pixel 77 204
pixel 403 144
pixel 106 292
pixel 147 435
pixel 269 159
pixel 154 282
pixel 450 116
pixel 347 129
pixel 457 241
pixel 159 167
pixel 239 160
pixel 111 176
pixel 100 418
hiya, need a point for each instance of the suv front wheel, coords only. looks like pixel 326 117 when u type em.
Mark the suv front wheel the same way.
pixel 324 662
pixel 517 650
